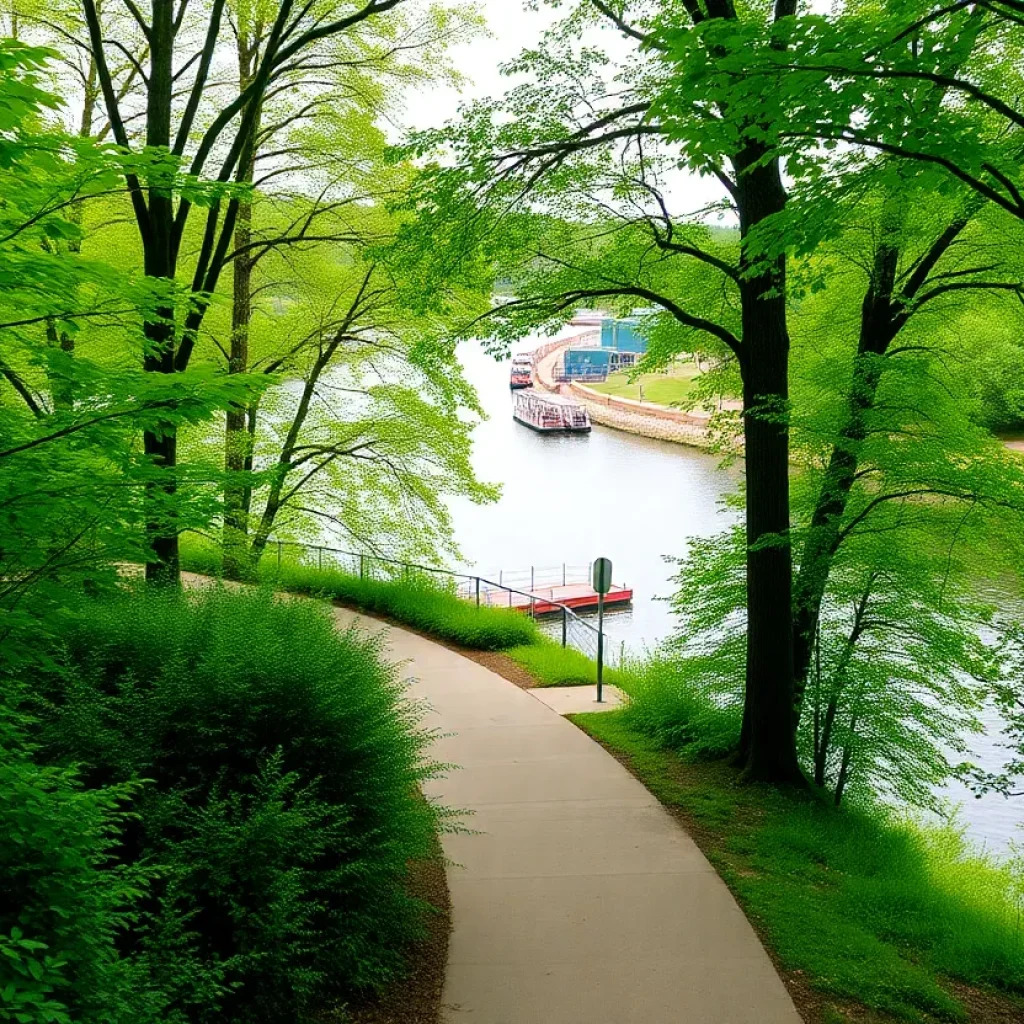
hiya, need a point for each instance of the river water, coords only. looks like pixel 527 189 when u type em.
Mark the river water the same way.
pixel 572 498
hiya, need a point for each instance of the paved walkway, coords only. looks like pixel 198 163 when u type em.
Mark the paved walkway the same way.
pixel 577 900
pixel 576 700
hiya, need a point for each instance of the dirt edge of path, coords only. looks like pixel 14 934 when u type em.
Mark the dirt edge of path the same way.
pixel 417 998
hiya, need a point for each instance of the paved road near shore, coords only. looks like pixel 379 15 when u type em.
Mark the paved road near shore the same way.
pixel 578 900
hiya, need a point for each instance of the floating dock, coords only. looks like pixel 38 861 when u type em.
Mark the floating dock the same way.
pixel 550 414
pixel 580 597
pixel 543 591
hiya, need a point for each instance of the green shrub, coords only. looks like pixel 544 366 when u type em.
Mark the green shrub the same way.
pixel 417 600
pixel 418 603
pixel 282 805
pixel 669 704
pixel 63 907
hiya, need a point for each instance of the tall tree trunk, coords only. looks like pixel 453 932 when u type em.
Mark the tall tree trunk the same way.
pixel 276 495
pixel 161 443
pixel 62 393
pixel 844 767
pixel 769 741
pixel 237 437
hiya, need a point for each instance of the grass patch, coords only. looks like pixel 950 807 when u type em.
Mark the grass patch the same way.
pixel 873 909
pixel 670 388
pixel 553 665
pixel 669 704
pixel 416 601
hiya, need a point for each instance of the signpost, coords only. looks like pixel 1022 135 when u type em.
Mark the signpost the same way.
pixel 602 584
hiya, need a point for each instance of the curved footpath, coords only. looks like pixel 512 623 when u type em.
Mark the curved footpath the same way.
pixel 576 899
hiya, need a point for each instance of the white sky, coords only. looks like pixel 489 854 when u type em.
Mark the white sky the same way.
pixel 513 29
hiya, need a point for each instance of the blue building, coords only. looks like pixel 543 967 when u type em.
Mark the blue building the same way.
pixel 621 346
pixel 623 335
pixel 587 363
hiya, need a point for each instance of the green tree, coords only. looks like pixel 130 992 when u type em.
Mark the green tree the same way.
pixel 71 472
pixel 574 139
pixel 168 177
pixel 321 125
pixel 370 431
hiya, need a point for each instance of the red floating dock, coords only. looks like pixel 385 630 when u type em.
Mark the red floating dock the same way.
pixel 580 597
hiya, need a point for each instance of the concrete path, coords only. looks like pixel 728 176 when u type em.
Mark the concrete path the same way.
pixel 578 900
pixel 578 700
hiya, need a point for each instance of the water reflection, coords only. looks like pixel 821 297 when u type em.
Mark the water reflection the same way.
pixel 571 498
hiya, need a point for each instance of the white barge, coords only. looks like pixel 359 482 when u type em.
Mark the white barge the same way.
pixel 549 414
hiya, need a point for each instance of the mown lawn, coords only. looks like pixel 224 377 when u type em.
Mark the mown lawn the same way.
pixel 669 388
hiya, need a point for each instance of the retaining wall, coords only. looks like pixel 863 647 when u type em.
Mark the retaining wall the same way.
pixel 649 421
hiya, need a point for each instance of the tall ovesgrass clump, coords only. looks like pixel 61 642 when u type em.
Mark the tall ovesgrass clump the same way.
pixel 416 600
pixel 670 703
pixel 551 664
pixel 277 765
pixel 882 907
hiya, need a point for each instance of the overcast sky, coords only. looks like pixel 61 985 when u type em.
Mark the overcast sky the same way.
pixel 513 29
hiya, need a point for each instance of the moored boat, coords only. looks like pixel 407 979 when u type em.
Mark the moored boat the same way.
pixel 521 375
pixel 550 414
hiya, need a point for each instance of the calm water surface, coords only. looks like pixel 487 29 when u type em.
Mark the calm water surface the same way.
pixel 637 501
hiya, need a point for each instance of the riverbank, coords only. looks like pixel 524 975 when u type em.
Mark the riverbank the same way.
pixel 643 418
pixel 868 915
pixel 868 918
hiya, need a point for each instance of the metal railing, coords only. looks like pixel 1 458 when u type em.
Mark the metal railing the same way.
pixel 544 576
pixel 574 631
pixel 589 338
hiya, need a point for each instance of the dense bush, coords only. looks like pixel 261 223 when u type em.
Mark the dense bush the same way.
pixel 416 601
pixel 63 907
pixel 281 806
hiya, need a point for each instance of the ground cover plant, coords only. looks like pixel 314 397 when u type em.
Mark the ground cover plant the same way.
pixel 270 766
pixel 863 908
